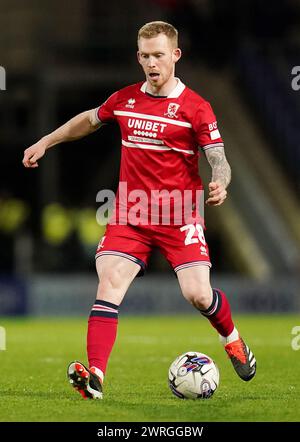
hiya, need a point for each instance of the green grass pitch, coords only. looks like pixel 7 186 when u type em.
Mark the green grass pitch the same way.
pixel 34 386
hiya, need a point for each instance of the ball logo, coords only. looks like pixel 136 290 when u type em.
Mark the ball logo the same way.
pixel 182 371
pixel 201 360
pixel 193 364
pixel 206 389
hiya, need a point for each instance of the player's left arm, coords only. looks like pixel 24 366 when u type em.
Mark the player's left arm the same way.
pixel 221 175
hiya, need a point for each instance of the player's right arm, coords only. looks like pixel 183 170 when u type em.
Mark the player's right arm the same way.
pixel 79 126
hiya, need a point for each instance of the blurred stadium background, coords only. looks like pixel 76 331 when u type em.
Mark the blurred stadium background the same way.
pixel 64 57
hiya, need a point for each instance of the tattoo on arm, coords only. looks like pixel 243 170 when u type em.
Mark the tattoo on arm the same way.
pixel 220 168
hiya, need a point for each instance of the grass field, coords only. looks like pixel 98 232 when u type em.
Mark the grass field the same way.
pixel 34 387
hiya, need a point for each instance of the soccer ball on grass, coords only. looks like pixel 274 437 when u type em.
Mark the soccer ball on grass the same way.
pixel 193 375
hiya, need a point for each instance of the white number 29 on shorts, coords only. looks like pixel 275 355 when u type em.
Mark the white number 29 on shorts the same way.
pixel 191 230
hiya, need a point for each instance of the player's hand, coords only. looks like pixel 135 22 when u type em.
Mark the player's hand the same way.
pixel 217 194
pixel 33 154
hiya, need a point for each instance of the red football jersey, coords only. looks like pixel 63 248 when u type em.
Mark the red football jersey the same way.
pixel 160 138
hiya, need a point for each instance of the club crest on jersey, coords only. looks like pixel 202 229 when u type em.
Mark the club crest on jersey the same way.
pixel 172 109
pixel 130 103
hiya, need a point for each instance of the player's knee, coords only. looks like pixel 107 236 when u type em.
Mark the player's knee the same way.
pixel 198 295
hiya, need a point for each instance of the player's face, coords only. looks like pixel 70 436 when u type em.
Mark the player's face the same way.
pixel 158 57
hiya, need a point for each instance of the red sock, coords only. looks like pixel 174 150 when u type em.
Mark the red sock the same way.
pixel 102 332
pixel 219 313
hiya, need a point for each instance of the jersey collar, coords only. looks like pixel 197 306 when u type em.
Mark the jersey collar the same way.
pixel 176 92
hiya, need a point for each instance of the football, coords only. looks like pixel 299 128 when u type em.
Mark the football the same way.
pixel 193 375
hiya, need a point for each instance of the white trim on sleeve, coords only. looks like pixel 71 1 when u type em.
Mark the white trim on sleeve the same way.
pixel 210 146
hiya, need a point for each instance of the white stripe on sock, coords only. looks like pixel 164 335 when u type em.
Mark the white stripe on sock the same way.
pixel 234 336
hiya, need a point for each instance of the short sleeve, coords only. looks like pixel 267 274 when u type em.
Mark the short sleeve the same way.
pixel 105 112
pixel 206 127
